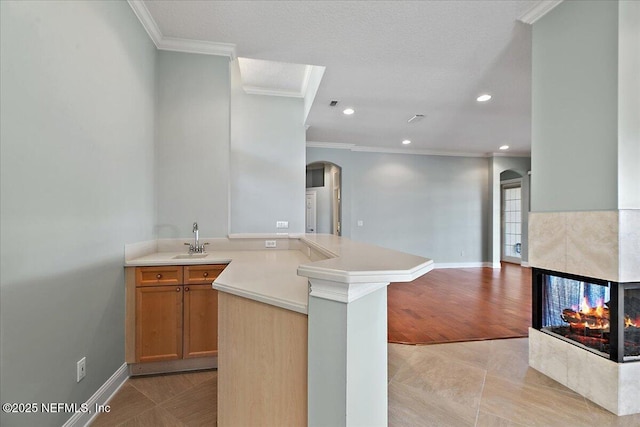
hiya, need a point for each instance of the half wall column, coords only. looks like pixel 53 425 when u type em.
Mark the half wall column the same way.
pixel 347 370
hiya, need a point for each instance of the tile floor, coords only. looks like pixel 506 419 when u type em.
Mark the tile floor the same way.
pixel 480 383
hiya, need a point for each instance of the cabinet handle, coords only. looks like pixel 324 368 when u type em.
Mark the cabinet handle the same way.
pixel 158 276
pixel 178 289
pixel 186 289
pixel 205 274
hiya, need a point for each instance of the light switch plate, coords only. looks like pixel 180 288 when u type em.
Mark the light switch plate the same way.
pixel 282 224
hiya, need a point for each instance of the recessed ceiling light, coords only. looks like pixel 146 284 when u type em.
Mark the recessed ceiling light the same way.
pixel 406 142
pixel 483 98
pixel 349 111
pixel 504 147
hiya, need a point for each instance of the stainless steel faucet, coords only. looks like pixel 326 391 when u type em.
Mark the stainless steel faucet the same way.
pixel 196 247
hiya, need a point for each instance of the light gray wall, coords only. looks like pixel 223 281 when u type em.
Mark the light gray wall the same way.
pixel 433 206
pixel 267 178
pixel 77 183
pixel 574 113
pixel 629 105
pixel 192 144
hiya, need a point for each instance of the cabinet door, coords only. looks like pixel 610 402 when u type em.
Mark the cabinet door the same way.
pixel 200 321
pixel 158 323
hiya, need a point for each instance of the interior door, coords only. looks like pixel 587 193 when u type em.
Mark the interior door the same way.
pixel 311 212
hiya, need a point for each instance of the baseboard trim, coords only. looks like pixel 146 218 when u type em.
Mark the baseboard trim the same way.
pixel 100 397
pixel 439 265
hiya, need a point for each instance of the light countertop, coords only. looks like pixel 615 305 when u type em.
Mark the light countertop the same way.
pixel 280 277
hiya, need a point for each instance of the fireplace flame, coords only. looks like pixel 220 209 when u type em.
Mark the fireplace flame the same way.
pixel 594 318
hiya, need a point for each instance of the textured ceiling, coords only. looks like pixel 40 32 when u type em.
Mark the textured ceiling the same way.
pixel 389 60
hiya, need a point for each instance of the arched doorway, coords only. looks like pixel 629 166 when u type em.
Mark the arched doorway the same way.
pixel 323 209
pixel 511 211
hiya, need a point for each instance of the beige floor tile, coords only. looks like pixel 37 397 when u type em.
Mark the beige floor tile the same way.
pixel 410 407
pixel 446 383
pixel 473 353
pixel 532 405
pixel 161 387
pixel 490 420
pixel 197 406
pixel 196 377
pixel 509 359
pixel 398 354
pixel 603 418
pixel 126 404
pixel 155 417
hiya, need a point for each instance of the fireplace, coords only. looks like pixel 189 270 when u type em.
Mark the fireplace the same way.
pixel 597 315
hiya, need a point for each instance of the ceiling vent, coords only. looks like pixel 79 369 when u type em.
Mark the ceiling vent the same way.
pixel 416 118
pixel 333 103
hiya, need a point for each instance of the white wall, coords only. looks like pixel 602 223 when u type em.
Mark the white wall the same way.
pixel 267 154
pixel 77 183
pixel 433 206
pixel 574 113
pixel 192 144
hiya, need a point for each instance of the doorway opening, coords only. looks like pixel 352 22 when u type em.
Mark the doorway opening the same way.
pixel 323 202
pixel 511 216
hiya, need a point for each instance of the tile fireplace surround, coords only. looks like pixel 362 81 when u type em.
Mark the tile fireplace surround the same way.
pixel 598 244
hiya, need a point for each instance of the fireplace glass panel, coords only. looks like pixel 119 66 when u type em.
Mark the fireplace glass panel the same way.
pixel 595 314
pixel 632 324
pixel 577 311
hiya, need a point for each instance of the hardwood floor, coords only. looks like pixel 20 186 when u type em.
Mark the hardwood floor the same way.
pixel 449 305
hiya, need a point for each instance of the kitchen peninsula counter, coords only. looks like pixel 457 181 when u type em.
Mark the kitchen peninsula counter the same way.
pixel 316 301
pixel 279 277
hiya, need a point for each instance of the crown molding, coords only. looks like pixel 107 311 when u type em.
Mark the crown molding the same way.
pixel 416 152
pixel 147 21
pixel 357 148
pixel 538 11
pixel 177 44
pixel 334 145
pixel 515 154
pixel 198 46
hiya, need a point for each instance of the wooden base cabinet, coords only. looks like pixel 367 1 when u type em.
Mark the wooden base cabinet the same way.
pixel 172 314
pixel 200 321
pixel 159 317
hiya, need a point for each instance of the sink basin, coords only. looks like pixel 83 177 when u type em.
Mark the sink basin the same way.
pixel 190 256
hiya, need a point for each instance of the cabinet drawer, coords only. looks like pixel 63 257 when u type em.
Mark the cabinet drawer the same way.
pixel 158 276
pixel 202 274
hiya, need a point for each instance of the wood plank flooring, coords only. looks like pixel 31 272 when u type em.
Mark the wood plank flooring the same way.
pixel 450 305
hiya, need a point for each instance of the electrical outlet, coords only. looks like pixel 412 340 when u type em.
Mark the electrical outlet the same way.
pixel 269 243
pixel 282 224
pixel 81 369
pixel 360 223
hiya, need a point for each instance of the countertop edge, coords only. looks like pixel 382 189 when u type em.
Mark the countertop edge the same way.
pixel 276 302
pixel 344 276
